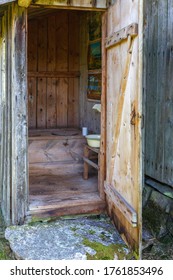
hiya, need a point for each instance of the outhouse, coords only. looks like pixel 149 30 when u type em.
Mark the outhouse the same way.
pixel 66 65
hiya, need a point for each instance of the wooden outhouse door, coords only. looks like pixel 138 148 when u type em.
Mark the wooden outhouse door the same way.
pixel 123 49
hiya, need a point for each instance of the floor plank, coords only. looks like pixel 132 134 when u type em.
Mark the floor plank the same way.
pixel 64 194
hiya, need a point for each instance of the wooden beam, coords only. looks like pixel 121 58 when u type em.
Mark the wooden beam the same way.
pixel 19 130
pixel 119 202
pixel 91 163
pixel 121 35
pixel 73 4
pixel 54 74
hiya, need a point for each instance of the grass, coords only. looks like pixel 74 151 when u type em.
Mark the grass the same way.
pixel 5 251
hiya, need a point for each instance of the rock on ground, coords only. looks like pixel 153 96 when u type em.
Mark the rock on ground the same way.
pixel 64 239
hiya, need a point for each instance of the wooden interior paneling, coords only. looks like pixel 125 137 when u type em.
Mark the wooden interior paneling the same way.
pixel 53 70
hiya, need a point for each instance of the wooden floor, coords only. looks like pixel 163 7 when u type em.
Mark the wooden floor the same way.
pixel 65 194
pixel 57 187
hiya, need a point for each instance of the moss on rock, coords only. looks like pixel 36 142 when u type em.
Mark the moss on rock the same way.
pixel 110 252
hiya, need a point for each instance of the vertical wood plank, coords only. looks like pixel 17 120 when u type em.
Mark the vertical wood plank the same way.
pixel 32 44
pixel 73 102
pixel 19 176
pixel 150 113
pixel 168 101
pixel 159 99
pixel 42 44
pixel 51 43
pixel 74 41
pixel 32 98
pixel 51 103
pixel 5 114
pixel 161 79
pixel 42 66
pixel 62 42
pixel 51 66
pixel 32 66
pixel 103 110
pixel 62 100
pixel 41 103
pixel 73 92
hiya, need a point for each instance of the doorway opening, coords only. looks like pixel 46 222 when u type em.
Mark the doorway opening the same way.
pixel 64 84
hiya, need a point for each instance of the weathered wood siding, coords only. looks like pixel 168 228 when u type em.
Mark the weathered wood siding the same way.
pixel 13 113
pixel 158 84
pixel 53 70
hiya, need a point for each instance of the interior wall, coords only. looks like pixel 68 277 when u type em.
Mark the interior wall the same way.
pixel 158 80
pixel 58 71
pixel 53 69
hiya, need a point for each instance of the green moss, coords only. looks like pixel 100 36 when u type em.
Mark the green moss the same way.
pixel 73 229
pixel 103 237
pixel 91 232
pixel 5 251
pixel 153 217
pixel 37 220
pixel 107 252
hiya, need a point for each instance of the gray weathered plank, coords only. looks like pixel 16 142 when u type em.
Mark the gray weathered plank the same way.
pixel 19 116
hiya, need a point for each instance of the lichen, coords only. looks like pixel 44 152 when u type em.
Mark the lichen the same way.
pixel 107 252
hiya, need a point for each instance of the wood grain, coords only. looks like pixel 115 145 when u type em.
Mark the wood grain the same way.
pixel 53 70
pixel 158 79
pixel 56 181
pixel 123 139
pixel 61 195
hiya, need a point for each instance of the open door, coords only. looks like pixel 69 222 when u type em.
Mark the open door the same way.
pixel 123 133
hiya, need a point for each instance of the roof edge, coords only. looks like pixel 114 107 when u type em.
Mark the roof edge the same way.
pixel 2 2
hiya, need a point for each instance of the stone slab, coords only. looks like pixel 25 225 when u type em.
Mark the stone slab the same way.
pixel 63 239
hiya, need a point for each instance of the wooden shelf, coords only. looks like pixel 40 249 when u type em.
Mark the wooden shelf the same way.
pixel 88 160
